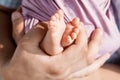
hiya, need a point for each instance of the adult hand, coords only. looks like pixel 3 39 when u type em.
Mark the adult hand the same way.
pixel 31 63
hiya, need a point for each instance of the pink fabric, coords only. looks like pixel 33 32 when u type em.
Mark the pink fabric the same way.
pixel 94 13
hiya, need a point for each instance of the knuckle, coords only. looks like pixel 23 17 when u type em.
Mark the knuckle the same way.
pixel 55 69
pixel 94 47
pixel 90 59
pixel 21 43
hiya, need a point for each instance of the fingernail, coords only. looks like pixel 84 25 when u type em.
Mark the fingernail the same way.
pixel 16 15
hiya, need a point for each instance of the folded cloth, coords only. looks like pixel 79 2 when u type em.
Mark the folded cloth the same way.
pixel 116 6
pixel 13 4
pixel 93 13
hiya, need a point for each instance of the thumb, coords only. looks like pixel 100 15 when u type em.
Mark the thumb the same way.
pixel 18 26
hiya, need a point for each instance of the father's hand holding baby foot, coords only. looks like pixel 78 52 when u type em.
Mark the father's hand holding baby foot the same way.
pixel 33 64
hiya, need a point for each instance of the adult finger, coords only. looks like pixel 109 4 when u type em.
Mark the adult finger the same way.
pixel 94 42
pixel 18 25
pixel 94 66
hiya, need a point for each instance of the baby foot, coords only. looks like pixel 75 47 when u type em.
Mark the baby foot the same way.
pixel 56 27
pixel 70 33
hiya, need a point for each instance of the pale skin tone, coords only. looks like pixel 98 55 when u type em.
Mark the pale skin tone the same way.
pixel 59 35
pixel 58 67
pixel 70 56
pixel 7 51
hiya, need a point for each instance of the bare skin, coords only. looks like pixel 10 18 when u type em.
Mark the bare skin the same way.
pixel 70 33
pixel 106 73
pixel 59 35
pixel 98 75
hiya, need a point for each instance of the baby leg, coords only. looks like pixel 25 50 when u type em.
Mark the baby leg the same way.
pixel 56 27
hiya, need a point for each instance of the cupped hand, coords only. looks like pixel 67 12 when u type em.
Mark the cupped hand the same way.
pixel 32 63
